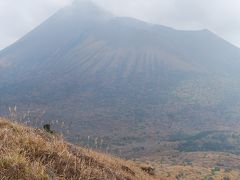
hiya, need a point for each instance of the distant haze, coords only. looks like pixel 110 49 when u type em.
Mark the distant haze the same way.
pixel 133 84
pixel 220 16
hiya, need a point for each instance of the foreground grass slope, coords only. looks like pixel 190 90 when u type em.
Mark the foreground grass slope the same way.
pixel 33 154
pixel 28 153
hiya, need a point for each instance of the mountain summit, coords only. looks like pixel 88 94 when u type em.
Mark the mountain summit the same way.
pixel 121 78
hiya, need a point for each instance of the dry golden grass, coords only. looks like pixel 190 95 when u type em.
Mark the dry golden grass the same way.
pixel 33 154
pixel 27 153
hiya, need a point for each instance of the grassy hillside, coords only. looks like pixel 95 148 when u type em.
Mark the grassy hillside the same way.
pixel 27 153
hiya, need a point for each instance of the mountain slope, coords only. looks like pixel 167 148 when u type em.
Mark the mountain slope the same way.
pixel 27 153
pixel 122 79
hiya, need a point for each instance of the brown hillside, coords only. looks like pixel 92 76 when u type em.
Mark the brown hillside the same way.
pixel 27 153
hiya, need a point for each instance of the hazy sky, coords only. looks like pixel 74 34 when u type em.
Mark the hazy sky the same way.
pixel 17 17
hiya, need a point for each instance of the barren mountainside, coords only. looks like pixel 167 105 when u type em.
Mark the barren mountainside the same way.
pixel 125 81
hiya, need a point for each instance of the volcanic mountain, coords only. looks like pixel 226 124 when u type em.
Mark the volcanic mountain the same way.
pixel 122 79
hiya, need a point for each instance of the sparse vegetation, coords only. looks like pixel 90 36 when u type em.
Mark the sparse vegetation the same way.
pixel 218 141
pixel 27 153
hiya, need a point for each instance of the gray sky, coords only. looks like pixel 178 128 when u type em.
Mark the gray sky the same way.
pixel 17 17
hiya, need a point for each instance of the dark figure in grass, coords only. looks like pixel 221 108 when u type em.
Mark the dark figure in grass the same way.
pixel 47 128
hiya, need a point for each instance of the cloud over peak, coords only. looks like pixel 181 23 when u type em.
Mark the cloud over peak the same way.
pixel 220 16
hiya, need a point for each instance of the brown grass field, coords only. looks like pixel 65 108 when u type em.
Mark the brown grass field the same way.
pixel 31 154
pixel 27 153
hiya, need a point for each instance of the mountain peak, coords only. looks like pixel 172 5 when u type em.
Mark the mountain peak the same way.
pixel 87 9
pixel 80 2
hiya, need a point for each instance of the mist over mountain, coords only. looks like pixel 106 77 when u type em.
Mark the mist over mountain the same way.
pixel 119 77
